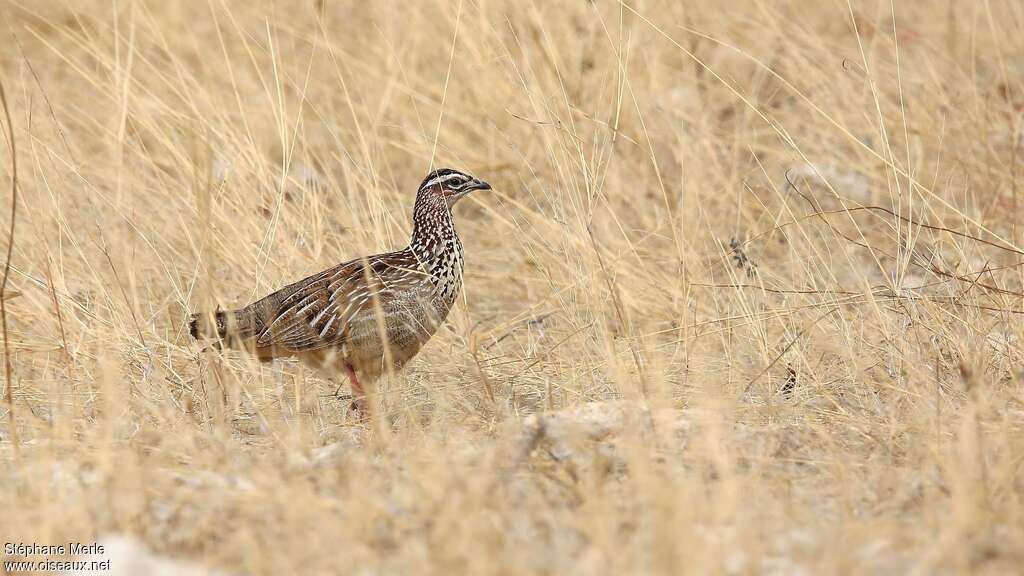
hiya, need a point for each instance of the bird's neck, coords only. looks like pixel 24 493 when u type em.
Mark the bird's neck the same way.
pixel 433 232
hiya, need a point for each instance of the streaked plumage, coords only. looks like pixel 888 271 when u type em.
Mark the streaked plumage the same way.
pixel 330 320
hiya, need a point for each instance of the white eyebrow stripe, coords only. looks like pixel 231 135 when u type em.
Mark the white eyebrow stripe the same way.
pixel 440 179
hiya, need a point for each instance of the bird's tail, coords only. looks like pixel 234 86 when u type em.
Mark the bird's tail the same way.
pixel 221 324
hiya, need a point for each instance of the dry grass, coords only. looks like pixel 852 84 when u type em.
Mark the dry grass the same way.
pixel 835 388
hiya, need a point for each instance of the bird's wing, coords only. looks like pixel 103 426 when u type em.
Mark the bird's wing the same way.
pixel 316 312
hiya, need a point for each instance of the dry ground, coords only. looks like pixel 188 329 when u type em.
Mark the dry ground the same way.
pixel 778 241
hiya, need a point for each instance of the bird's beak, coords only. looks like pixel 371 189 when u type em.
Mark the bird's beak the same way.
pixel 477 185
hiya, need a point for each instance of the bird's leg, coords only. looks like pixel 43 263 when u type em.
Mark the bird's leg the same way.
pixel 358 393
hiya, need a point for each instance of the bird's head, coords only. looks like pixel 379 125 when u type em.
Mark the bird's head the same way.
pixel 451 185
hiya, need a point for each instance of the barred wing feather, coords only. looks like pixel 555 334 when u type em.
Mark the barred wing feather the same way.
pixel 317 313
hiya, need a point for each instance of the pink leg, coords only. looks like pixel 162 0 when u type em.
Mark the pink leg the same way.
pixel 358 393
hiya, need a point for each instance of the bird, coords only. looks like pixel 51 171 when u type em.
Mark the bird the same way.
pixel 365 316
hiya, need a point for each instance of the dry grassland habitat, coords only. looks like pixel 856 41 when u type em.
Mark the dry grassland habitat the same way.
pixel 746 296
